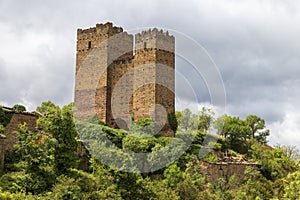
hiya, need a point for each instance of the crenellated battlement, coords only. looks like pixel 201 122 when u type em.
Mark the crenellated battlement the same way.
pixel 106 28
pixel 152 34
pixel 156 39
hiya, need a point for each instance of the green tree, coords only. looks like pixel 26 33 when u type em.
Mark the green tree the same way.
pixel 235 131
pixel 274 164
pixel 47 107
pixel 186 115
pixel 205 119
pixel 19 107
pixel 35 149
pixel 258 129
pixel 255 186
pixel 241 134
pixel 289 151
pixel 193 123
pixel 60 124
pixel 36 158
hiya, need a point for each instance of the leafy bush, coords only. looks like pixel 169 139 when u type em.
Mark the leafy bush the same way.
pixel 143 125
pixel 19 107
pixel 211 157
pixel 292 186
pixel 67 188
pixel 94 120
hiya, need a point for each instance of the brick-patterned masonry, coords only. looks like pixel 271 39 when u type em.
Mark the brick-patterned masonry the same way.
pixel 140 69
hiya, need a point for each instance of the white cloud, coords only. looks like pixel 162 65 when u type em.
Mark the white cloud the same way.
pixel 287 131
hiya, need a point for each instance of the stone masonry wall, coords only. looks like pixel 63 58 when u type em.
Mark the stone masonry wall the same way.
pixel 7 143
pixel 105 56
pixel 18 118
pixel 214 171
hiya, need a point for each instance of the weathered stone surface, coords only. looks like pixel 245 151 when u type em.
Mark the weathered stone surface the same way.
pixel 7 143
pixel 105 56
pixel 13 126
pixel 213 171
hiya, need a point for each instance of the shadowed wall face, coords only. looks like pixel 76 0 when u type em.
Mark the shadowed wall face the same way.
pixel 7 143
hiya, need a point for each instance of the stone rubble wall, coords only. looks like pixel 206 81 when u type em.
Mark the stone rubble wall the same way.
pixel 11 138
pixel 213 171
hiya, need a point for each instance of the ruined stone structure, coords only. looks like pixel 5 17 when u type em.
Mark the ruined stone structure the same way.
pixel 214 171
pixel 9 139
pixel 17 119
pixel 120 77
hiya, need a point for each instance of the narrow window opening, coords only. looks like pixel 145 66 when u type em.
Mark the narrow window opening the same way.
pixel 145 45
pixel 89 45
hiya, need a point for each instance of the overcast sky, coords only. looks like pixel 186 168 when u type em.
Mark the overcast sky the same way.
pixel 254 43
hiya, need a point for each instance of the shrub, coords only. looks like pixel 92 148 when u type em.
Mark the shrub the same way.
pixel 19 107
pixel 143 125
pixel 211 157
pixel 173 123
pixel 67 188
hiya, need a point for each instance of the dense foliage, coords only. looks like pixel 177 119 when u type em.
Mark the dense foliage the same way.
pixel 19 107
pixel 5 116
pixel 46 164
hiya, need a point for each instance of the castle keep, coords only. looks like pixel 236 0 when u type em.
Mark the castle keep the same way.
pixel 120 77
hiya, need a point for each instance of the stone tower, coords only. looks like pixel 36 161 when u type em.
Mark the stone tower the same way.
pixel 105 54
pixel 154 63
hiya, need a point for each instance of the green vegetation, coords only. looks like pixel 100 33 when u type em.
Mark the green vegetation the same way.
pixel 5 116
pixel 46 164
pixel 173 121
pixel 1 129
pixel 19 107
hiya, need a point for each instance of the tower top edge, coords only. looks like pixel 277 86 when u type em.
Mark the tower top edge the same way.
pixel 108 26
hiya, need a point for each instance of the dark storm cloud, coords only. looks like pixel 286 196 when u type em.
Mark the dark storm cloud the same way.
pixel 255 44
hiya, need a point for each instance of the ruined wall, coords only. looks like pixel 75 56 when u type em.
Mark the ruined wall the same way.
pixel 105 52
pixel 214 171
pixel 18 118
pixel 7 143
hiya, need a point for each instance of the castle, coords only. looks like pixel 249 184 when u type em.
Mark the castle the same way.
pixel 121 77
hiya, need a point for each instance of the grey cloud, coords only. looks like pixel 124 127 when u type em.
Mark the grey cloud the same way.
pixel 255 44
